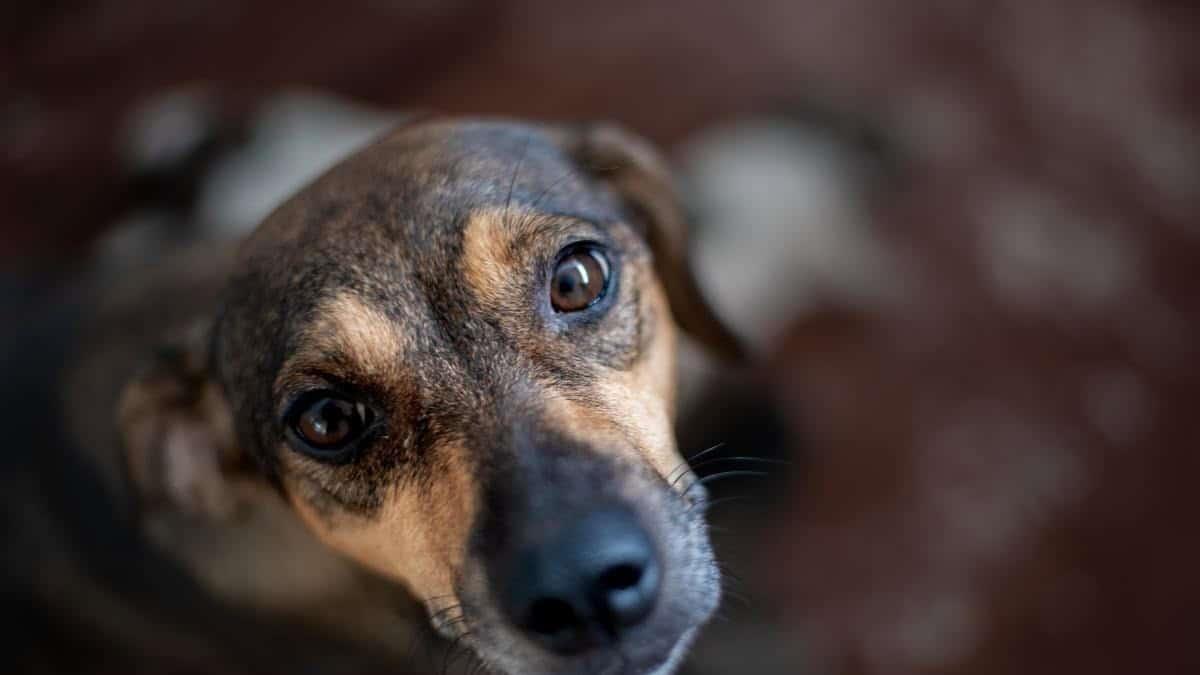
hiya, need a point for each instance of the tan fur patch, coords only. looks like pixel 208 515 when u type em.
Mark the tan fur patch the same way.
pixel 418 538
pixel 637 404
pixel 644 396
pixel 486 260
pixel 347 327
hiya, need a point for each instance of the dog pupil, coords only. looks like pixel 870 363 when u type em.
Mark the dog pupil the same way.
pixel 327 422
pixel 567 284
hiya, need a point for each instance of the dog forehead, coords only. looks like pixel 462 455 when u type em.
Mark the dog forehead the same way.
pixel 407 198
pixel 388 223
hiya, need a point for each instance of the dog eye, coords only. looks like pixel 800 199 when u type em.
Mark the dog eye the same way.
pixel 327 423
pixel 580 279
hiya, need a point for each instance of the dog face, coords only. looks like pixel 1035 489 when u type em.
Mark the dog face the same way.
pixel 454 355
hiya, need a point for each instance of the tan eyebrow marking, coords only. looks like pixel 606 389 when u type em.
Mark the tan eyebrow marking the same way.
pixel 488 256
pixel 346 328
pixel 494 241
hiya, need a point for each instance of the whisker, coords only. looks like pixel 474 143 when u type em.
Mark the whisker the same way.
pixel 727 573
pixel 730 474
pixel 512 183
pixel 706 451
pixel 546 191
pixel 687 462
pixel 743 458
pixel 717 460
pixel 725 474
pixel 415 642
pixel 682 469
pixel 722 500
pixel 446 658
pixel 681 465
pixel 741 598
pixel 428 645
pixel 454 651
pixel 443 611
pixel 729 591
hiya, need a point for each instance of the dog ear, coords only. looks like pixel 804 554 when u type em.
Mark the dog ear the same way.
pixel 177 431
pixel 632 168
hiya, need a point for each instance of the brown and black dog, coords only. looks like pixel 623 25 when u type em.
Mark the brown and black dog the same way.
pixel 453 356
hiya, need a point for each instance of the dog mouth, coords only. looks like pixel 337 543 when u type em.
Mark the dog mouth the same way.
pixel 675 657
pixel 616 662
pixel 613 660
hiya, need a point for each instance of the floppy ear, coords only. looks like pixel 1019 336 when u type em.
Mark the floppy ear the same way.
pixel 639 176
pixel 177 431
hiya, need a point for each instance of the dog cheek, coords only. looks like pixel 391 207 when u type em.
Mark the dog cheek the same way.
pixel 415 538
pixel 449 506
pixel 644 396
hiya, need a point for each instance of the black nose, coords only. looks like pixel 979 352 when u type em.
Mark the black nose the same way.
pixel 586 584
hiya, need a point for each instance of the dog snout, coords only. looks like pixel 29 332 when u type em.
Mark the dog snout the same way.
pixel 586 584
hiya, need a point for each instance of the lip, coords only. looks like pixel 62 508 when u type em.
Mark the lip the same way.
pixel 678 652
pixel 612 660
pixel 658 665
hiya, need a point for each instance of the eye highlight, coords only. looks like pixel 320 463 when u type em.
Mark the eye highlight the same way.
pixel 325 425
pixel 580 279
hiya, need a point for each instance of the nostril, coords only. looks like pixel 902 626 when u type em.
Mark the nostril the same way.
pixel 620 577
pixel 551 616
pixel 624 594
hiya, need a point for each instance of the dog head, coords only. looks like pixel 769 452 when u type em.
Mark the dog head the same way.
pixel 454 356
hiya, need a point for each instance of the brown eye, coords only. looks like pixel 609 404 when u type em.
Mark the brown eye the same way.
pixel 326 423
pixel 579 280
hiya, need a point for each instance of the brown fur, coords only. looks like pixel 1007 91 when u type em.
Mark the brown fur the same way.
pixel 412 277
pixel 347 331
pixel 418 536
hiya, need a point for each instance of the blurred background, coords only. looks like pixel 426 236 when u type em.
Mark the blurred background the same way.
pixel 962 237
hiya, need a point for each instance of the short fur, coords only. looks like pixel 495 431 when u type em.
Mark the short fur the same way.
pixel 413 275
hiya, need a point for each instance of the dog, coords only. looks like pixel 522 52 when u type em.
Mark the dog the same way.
pixel 452 358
